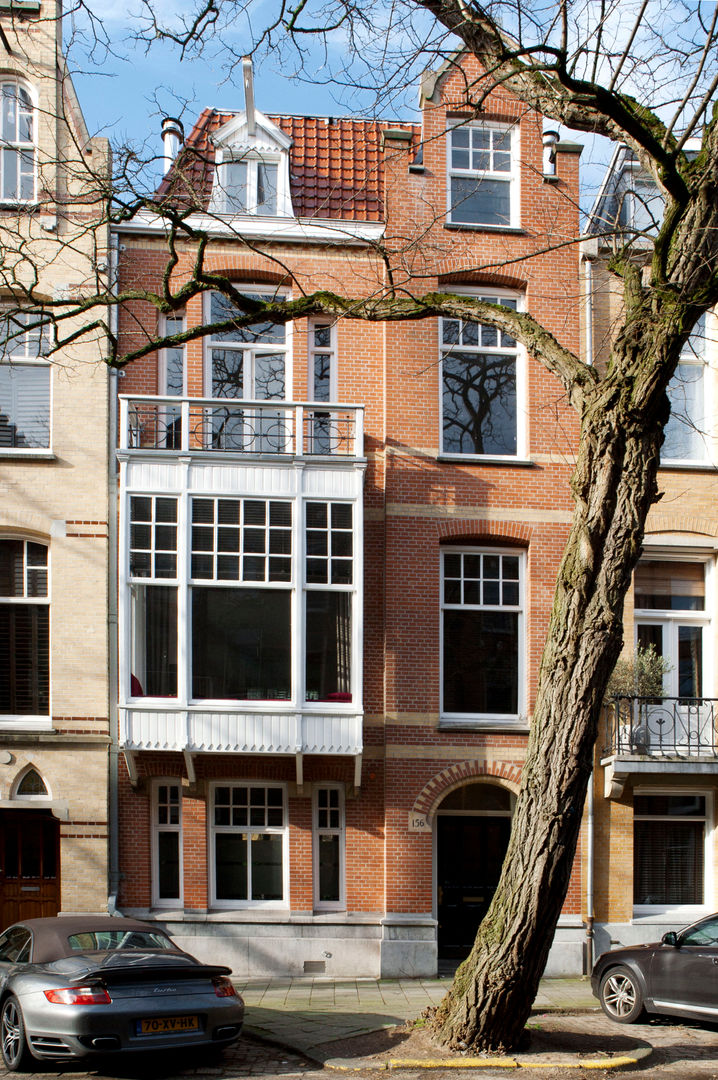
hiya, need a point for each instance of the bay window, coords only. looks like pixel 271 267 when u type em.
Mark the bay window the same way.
pixel 482 635
pixel 328 601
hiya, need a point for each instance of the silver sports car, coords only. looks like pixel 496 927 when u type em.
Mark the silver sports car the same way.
pixel 80 985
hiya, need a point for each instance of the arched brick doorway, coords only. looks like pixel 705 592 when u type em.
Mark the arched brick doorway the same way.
pixel 473 823
pixel 29 865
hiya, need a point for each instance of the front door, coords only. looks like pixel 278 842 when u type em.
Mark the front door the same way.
pixel 29 865
pixel 470 854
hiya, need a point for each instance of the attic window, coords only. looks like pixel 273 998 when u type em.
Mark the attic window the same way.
pixel 248 186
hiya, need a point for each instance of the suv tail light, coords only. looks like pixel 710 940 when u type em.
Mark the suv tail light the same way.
pixel 79 995
pixel 223 986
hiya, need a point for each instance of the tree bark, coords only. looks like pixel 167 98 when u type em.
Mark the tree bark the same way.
pixel 614 484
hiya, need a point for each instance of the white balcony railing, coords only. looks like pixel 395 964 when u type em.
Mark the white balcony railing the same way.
pixel 287 428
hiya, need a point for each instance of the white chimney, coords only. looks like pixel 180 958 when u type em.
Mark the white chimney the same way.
pixel 550 139
pixel 248 75
pixel 172 139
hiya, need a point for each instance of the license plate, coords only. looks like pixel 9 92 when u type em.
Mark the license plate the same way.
pixel 167 1025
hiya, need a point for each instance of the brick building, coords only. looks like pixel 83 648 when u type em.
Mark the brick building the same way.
pixel 54 556
pixel 657 760
pixel 339 538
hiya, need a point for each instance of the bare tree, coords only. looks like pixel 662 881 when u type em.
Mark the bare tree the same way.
pixel 642 74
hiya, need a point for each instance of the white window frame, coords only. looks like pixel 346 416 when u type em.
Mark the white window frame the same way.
pixel 491 295
pixel 672 617
pixel 252 157
pixel 339 831
pixel 682 912
pixel 157 828
pixel 486 719
pixel 30 721
pixel 697 354
pixel 318 350
pixel 251 349
pixel 22 352
pixel 213 830
pixel 512 178
pixel 19 146
pixel 166 329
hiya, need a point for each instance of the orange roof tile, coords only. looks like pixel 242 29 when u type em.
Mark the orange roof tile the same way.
pixel 335 165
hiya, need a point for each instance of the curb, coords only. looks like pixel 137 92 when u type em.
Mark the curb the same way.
pixel 640 1054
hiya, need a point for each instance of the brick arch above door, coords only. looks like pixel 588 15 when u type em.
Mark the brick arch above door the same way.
pixel 506 773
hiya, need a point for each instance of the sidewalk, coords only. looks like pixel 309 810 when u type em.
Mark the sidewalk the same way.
pixel 317 1016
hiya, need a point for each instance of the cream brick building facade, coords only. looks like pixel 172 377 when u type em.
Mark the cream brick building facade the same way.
pixel 54 438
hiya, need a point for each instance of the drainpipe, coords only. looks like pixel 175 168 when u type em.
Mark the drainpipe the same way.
pixel 113 801
pixel 589 877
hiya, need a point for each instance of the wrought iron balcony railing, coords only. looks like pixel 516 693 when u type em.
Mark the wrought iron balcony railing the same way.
pixel 247 427
pixel 668 727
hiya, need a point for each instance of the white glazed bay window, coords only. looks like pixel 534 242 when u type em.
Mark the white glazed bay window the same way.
pixel 482 635
pixel 24 382
pixel 248 825
pixel 249 585
pixel 481 386
pixel 483 184
pixel 17 143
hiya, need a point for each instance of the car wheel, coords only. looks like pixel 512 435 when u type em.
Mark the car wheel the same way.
pixel 620 995
pixel 13 1044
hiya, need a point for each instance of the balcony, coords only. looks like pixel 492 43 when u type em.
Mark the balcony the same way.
pixel 221 426
pixel 659 735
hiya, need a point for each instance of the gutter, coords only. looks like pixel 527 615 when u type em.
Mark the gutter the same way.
pixel 113 778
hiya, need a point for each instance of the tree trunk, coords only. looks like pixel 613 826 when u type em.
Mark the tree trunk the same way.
pixel 614 485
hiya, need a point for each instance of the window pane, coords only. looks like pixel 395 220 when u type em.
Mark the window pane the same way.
pixel 24 405
pixel 24 659
pixel 168 882
pixel 480 662
pixel 12 568
pixel 231 866
pixel 266 854
pixel 154 641
pixel 690 660
pixel 328 646
pixel 479 201
pixel 668 862
pixel 329 868
pixel 479 403
pixel 266 188
pixel 685 432
pixel 241 643
pixel 234 181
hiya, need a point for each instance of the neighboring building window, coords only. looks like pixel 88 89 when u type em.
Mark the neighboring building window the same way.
pixel 669 833
pixel 153 562
pixel 31 786
pixel 248 186
pixel 173 379
pixel 329 835
pixel 480 376
pixel 24 382
pixel 641 204
pixel 167 852
pixel 248 363
pixel 17 143
pixel 672 617
pixel 482 632
pixel 24 629
pixel 328 600
pixel 483 175
pixel 249 844
pixel 687 432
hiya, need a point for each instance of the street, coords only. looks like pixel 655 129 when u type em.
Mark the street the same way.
pixel 681 1051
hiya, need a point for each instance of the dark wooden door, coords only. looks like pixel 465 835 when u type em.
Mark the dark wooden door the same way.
pixel 29 865
pixel 470 855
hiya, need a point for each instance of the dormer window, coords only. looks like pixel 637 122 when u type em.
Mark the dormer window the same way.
pixel 252 168
pixel 249 186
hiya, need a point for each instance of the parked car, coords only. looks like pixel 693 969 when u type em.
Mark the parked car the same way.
pixel 676 976
pixel 81 985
